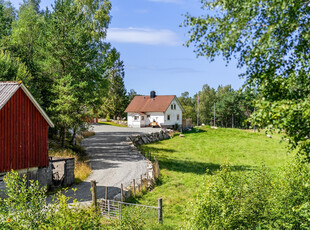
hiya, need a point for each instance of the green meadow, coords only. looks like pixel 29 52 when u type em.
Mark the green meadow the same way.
pixel 184 160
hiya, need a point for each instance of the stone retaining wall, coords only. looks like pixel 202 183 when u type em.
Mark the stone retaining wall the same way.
pixel 150 137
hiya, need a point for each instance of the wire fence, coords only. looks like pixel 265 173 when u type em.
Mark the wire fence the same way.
pixel 119 210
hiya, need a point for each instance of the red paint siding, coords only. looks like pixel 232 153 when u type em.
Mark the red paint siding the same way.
pixel 23 135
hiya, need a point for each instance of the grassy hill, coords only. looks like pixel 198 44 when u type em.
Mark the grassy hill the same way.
pixel 184 161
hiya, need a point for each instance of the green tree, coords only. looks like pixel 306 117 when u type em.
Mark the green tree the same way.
pixel 131 94
pixel 207 97
pixel 25 43
pixel 189 106
pixel 73 61
pixel 12 69
pixel 115 101
pixel 7 16
pixel 271 39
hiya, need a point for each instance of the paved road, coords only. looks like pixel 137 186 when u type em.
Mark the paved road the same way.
pixel 112 160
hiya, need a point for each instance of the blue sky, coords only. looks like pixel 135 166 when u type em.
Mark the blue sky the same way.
pixel 147 33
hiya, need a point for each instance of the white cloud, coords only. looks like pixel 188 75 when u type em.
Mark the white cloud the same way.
pixel 143 36
pixel 168 1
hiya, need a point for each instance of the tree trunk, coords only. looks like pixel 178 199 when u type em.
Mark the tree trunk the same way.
pixel 63 136
pixel 73 136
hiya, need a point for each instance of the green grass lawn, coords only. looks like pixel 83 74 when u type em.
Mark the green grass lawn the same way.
pixel 184 160
pixel 111 123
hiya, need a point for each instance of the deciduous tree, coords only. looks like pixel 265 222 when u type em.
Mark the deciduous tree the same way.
pixel 271 39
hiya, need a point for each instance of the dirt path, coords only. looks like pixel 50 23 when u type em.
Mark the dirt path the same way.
pixel 112 160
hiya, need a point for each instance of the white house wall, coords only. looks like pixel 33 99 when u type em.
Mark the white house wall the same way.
pixel 173 114
pixel 155 116
pixel 131 122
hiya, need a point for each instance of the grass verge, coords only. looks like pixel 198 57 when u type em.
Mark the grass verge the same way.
pixel 111 123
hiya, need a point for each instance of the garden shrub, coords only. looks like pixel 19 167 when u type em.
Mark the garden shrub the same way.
pixel 254 200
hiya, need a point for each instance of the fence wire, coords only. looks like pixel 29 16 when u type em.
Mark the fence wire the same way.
pixel 119 210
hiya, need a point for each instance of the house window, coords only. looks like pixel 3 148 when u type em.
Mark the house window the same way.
pixel 171 106
pixel 168 117
pixel 136 118
pixel 175 107
pixel 178 117
pixel 142 118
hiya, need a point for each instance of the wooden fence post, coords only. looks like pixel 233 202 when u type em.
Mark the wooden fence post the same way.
pixel 122 195
pixel 134 187
pixel 160 210
pixel 94 192
pixel 106 193
pixel 141 183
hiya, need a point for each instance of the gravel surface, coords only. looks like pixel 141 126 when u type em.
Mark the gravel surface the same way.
pixel 113 161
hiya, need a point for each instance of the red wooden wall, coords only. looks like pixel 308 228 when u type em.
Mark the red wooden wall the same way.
pixel 23 135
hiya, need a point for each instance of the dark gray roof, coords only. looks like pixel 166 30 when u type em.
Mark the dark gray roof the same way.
pixel 7 90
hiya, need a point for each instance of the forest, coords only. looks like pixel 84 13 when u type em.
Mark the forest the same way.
pixel 223 107
pixel 61 55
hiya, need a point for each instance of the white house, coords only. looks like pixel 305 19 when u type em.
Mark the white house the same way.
pixel 165 110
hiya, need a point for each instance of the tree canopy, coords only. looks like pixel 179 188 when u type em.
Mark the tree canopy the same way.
pixel 62 56
pixel 271 39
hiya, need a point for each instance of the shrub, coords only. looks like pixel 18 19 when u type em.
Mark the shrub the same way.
pixel 108 118
pixel 254 200
pixel 24 207
pixel 62 215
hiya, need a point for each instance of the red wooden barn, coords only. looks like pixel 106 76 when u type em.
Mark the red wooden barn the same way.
pixel 23 129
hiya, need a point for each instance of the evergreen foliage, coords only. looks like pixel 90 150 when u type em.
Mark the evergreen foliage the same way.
pixel 232 108
pixel 62 57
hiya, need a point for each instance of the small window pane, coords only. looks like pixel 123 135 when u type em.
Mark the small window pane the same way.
pixel 171 106
pixel 178 117
pixel 175 107
pixel 168 117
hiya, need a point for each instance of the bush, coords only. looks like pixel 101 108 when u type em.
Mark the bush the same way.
pixel 254 200
pixel 108 118
pixel 24 205
pixel 25 208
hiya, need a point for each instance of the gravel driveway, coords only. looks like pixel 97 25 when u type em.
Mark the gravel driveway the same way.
pixel 112 160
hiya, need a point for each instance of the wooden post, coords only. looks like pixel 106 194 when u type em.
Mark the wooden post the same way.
pixel 108 208
pixel 120 210
pixel 106 193
pixel 134 187
pixel 122 194
pixel 160 210
pixel 94 192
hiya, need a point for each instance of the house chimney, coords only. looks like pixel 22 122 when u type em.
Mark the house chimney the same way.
pixel 153 94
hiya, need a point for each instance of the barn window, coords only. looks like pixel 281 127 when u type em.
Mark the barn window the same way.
pixel 168 117
pixel 171 106
pixel 178 117
pixel 175 107
pixel 136 118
